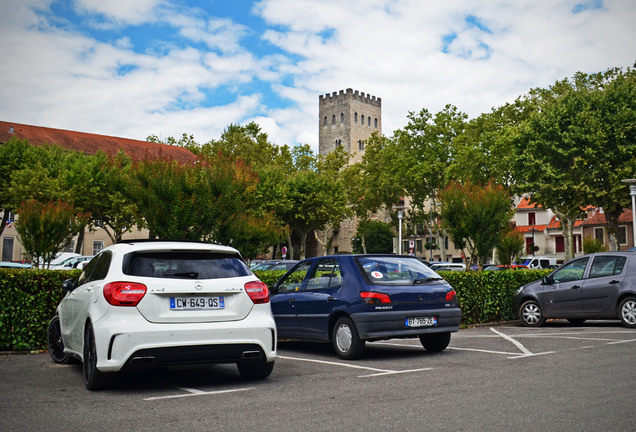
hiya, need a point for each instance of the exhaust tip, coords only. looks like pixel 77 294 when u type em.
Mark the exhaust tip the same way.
pixel 142 361
pixel 251 355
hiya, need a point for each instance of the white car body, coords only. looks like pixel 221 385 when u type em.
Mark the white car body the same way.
pixel 153 334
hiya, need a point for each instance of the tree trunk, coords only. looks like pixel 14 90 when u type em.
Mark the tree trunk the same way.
pixel 80 241
pixel 290 248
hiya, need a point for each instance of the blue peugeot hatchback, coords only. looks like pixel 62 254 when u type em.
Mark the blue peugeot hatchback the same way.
pixel 349 299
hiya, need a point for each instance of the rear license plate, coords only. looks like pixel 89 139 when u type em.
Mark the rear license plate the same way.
pixel 197 303
pixel 421 322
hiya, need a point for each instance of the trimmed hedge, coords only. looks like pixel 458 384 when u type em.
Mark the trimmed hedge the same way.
pixel 28 299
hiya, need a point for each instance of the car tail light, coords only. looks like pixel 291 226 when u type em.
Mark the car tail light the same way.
pixel 451 295
pixel 258 291
pixel 124 293
pixel 370 297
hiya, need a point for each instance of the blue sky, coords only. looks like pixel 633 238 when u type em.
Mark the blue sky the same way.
pixel 168 67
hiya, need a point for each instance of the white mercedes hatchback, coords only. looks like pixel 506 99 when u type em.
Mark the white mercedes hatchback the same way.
pixel 141 304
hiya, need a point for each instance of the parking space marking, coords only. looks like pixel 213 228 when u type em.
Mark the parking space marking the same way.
pixel 482 350
pixel 380 372
pixel 193 392
pixel 621 341
pixel 512 340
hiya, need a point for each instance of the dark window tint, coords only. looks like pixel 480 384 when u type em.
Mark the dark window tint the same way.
pixel 571 271
pixel 294 280
pixel 185 265
pixel 607 266
pixel 325 275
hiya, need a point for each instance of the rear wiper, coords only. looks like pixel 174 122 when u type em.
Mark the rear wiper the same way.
pixel 421 281
pixel 192 275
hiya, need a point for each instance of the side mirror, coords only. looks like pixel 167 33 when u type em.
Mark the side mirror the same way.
pixel 547 280
pixel 68 285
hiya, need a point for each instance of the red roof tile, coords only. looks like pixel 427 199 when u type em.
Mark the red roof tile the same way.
pixel 599 218
pixel 91 143
pixel 528 228
pixel 525 204
pixel 555 223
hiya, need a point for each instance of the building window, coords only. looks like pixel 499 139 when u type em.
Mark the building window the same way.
pixel 599 235
pixel 338 143
pixel 621 235
pixel 375 123
pixel 333 119
pixel 360 145
pixel 559 244
pixel 362 118
pixel 532 218
pixel 368 121
pixel 529 245
pixel 355 117
pixel 325 121
pixel 7 249
pixel 341 117
pixel 97 247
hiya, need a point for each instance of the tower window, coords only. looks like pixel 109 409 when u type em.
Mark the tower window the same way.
pixel 360 145
pixel 362 118
pixel 341 117
pixel 369 121
pixel 333 119
pixel 325 122
pixel 375 123
pixel 338 143
pixel 355 117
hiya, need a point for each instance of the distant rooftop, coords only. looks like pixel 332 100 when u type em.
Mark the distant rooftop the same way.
pixel 89 143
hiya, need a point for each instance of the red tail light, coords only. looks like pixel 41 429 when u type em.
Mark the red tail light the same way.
pixel 258 291
pixel 369 297
pixel 451 295
pixel 124 293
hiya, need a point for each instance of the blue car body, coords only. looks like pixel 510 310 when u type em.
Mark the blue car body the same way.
pixel 395 289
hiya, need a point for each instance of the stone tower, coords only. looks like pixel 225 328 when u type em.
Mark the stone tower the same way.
pixel 346 118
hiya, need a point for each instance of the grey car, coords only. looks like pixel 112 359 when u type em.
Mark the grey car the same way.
pixel 595 286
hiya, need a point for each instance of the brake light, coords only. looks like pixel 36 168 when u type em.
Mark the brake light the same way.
pixel 451 295
pixel 370 297
pixel 258 291
pixel 124 293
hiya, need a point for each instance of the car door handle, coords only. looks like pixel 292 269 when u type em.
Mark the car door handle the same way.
pixel 614 282
pixel 331 298
pixel 575 287
pixel 292 300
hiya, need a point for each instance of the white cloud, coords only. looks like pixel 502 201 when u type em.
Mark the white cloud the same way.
pixel 410 53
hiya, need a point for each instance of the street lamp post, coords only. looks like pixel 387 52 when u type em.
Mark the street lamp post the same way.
pixel 632 192
pixel 399 215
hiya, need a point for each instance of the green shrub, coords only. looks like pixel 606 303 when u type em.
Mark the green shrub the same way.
pixel 28 299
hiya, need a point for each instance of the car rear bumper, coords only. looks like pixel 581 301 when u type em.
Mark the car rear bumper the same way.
pixel 139 343
pixel 392 324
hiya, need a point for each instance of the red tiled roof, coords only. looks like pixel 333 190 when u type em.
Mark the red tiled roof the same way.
pixel 91 143
pixel 555 223
pixel 528 228
pixel 599 218
pixel 525 204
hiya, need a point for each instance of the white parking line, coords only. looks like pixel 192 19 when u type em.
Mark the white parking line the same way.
pixel 194 392
pixel 380 372
pixel 621 341
pixel 514 341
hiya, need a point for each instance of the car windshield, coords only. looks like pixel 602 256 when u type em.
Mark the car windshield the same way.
pixel 395 270
pixel 185 265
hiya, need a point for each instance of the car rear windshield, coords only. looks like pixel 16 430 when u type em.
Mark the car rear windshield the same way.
pixel 396 270
pixel 185 265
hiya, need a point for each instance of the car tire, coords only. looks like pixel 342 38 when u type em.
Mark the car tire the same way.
pixel 531 314
pixel 255 371
pixel 54 342
pixel 435 342
pixel 576 321
pixel 93 377
pixel 627 312
pixel 346 341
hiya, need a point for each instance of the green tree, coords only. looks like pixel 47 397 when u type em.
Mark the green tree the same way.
pixel 579 143
pixel 47 228
pixel 11 161
pixel 510 247
pixel 476 216
pixel 379 237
